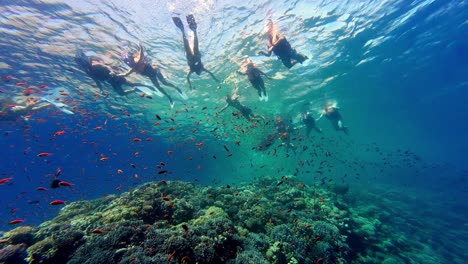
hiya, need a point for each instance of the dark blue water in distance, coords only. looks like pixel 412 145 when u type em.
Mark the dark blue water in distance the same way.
pixel 397 70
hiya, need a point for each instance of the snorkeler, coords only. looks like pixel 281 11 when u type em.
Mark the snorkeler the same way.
pixel 140 64
pixel 99 72
pixel 17 108
pixel 331 113
pixel 278 44
pixel 254 75
pixel 193 55
pixel 233 100
pixel 282 131
pixel 310 123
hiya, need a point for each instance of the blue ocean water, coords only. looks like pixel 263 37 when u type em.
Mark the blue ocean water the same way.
pixel 396 69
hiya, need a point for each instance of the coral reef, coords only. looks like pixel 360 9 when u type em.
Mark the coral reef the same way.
pixel 176 222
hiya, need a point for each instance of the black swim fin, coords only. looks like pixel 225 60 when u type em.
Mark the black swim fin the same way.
pixel 178 23
pixel 191 22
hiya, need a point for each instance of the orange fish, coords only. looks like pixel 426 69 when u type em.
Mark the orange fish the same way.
pixel 44 154
pixel 119 171
pixel 104 159
pixel 59 133
pixel 137 139
pixel 170 152
pixel 57 202
pixel 2 181
pixel 41 188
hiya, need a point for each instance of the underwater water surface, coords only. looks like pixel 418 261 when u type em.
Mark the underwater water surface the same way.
pixel 393 189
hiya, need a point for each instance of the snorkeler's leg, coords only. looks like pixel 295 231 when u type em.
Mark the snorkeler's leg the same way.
pixel 288 62
pixel 178 23
pixel 165 82
pixel 161 90
pixel 191 22
pixel 212 75
pixel 188 80
pixel 119 89
pixel 132 84
pixel 298 57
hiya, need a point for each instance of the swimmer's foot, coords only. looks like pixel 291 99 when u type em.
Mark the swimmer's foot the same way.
pixel 191 22
pixel 178 23
pixel 265 98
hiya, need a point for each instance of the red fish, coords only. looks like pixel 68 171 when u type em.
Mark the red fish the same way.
pixel 16 221
pixel 41 188
pixel 97 231
pixel 44 154
pixel 2 181
pixel 57 202
pixel 66 184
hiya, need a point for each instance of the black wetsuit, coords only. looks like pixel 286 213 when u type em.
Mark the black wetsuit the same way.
pixel 193 56
pixel 310 123
pixel 145 68
pixel 101 73
pixel 245 111
pixel 255 77
pixel 286 53
pixel 334 116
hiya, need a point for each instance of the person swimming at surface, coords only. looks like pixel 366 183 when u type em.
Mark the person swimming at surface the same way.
pixel 310 123
pixel 332 113
pixel 278 45
pixel 140 64
pixel 20 107
pixel 254 75
pixel 99 72
pixel 282 131
pixel 193 55
pixel 233 100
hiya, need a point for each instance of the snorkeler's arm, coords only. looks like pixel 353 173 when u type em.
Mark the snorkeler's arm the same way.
pixel 224 108
pixel 264 74
pixel 125 74
pixel 40 105
pixel 241 72
pixel 266 53
pixel 320 117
